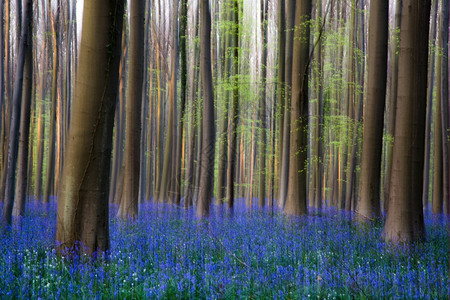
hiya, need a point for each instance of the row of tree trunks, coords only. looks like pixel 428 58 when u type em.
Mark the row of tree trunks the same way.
pixel 17 104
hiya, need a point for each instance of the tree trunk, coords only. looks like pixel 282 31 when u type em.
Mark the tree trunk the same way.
pixel 438 167
pixel 429 118
pixel 24 131
pixel 296 195
pixel 15 116
pixel 208 143
pixel 369 202
pixel 51 164
pixel 285 156
pixel 392 102
pixel 445 104
pixel 280 85
pixel 404 221
pixel 129 201
pixel 183 86
pixel 234 112
pixel 262 113
pixel 83 213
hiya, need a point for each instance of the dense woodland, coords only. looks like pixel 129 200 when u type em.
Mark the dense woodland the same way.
pixel 298 105
pixel 224 149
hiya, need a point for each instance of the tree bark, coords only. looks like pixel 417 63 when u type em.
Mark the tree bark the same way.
pixel 369 202
pixel 51 164
pixel 234 112
pixel 404 221
pixel 129 201
pixel 83 214
pixel 183 86
pixel 208 143
pixel 15 117
pixel 280 85
pixel 262 142
pixel 445 104
pixel 392 102
pixel 296 194
pixel 24 130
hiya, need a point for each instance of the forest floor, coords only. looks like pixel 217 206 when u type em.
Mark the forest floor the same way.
pixel 168 253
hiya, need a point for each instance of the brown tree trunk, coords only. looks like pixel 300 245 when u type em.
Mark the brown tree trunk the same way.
pixel 445 105
pixel 51 163
pixel 429 120
pixel 208 143
pixel 392 102
pixel 262 113
pixel 83 213
pixel 183 86
pixel 369 202
pixel 404 221
pixel 234 112
pixel 288 62
pixel 280 87
pixel 438 167
pixel 296 200
pixel 24 131
pixel 15 116
pixel 129 201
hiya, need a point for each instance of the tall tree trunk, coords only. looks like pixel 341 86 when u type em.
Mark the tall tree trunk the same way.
pixel 404 221
pixel 83 213
pixel 6 109
pixel 51 163
pixel 208 143
pixel 24 130
pixel 445 98
pixel 183 86
pixel 223 127
pixel 318 121
pixel 40 137
pixel 369 202
pixel 116 182
pixel 168 161
pixel 288 62
pixel 392 102
pixel 190 168
pixel 262 143
pixel 234 111
pixel 15 116
pixel 429 118
pixel 3 34
pixel 129 202
pixel 438 167
pixel 296 200
pixel 280 85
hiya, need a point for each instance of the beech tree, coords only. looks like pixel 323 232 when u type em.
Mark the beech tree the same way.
pixel 208 140
pixel 83 214
pixel 129 202
pixel 404 222
pixel 369 202
pixel 15 116
pixel 296 202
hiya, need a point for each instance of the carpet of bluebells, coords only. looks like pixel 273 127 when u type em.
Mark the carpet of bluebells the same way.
pixel 168 253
